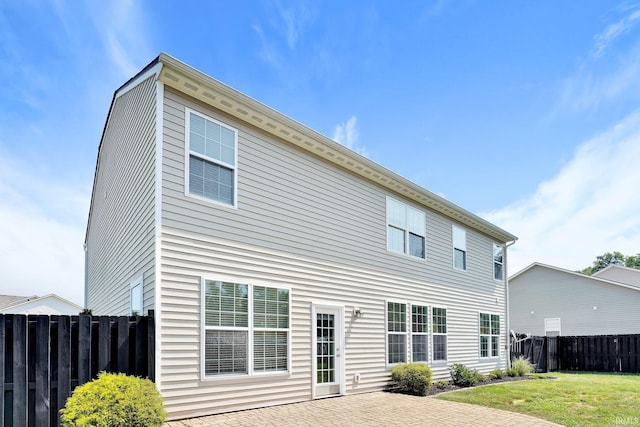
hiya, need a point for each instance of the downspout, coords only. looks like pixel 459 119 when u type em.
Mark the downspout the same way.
pixel 506 293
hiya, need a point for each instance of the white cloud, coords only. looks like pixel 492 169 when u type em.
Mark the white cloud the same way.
pixel 605 38
pixel 589 208
pixel 294 18
pixel 347 134
pixel 42 231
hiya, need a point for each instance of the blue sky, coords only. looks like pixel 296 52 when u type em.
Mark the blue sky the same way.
pixel 526 113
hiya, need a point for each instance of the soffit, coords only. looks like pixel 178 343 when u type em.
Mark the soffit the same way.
pixel 198 85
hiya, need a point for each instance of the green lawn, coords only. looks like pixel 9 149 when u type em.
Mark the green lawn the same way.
pixel 583 399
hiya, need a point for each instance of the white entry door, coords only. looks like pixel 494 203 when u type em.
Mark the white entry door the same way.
pixel 328 351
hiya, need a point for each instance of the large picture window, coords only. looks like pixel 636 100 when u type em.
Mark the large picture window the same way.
pixel 407 332
pixel 489 335
pixel 211 163
pixel 406 229
pixel 240 316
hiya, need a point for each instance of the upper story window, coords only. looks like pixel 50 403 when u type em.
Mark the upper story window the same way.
pixel 406 229
pixel 211 166
pixel 498 261
pixel 459 248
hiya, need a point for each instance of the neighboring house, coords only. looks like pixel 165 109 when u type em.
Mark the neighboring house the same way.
pixel 546 300
pixel 282 266
pixel 48 304
pixel 618 273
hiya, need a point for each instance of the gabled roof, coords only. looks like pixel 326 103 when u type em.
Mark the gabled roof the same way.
pixel 9 300
pixel 562 270
pixel 194 83
pixel 17 302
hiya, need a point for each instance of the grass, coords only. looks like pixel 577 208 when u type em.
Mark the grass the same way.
pixel 582 399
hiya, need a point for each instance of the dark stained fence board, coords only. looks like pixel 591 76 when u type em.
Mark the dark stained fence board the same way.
pixel 42 359
pixel 42 375
pixel 64 362
pixel 20 385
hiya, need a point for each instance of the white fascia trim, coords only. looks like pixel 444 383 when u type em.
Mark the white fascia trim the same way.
pixel 158 228
pixel 142 77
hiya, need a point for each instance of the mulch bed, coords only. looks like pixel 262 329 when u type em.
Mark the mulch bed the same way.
pixel 435 390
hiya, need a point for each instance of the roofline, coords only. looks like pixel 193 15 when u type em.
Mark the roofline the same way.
pixel 32 299
pixel 194 83
pixel 562 270
pixel 624 267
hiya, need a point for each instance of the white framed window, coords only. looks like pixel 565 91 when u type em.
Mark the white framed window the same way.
pixel 489 335
pixel 136 296
pixel 245 328
pixel 459 248
pixel 439 334
pixel 406 229
pixel 211 159
pixel 396 332
pixel 419 333
pixel 498 262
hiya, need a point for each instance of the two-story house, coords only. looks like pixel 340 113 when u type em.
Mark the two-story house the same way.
pixel 281 265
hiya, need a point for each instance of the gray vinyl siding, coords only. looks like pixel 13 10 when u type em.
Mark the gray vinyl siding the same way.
pixel 321 231
pixel 121 229
pixel 625 275
pixel 550 293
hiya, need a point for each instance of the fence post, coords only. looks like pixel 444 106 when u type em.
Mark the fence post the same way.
pixel 64 362
pixel 84 349
pixel 151 346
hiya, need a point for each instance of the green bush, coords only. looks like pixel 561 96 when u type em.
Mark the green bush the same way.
pixel 443 385
pixel 497 374
pixel 465 377
pixel 412 378
pixel 522 366
pixel 512 372
pixel 114 400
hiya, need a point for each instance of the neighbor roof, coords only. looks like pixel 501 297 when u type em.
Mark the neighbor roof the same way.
pixel 562 270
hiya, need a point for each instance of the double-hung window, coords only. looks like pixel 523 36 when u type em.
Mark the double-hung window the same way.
pixel 246 328
pixel 489 335
pixel 439 324
pixel 406 229
pixel 211 162
pixel 419 333
pixel 498 261
pixel 459 248
pixel 396 332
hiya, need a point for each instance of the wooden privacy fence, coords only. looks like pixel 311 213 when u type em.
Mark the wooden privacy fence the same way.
pixel 597 353
pixel 43 358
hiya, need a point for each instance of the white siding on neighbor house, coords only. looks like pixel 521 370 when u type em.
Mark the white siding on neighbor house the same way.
pixel 584 305
pixel 629 276
pixel 320 231
pixel 120 237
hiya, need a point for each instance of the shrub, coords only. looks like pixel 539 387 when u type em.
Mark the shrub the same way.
pixel 497 374
pixel 512 372
pixel 443 385
pixel 465 377
pixel 114 400
pixel 522 366
pixel 412 378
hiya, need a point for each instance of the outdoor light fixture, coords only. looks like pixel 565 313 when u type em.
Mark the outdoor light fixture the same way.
pixel 357 312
